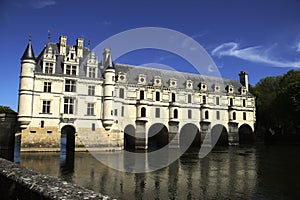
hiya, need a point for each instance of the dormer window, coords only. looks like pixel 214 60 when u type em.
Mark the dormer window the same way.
pixel 48 68
pixel 203 86
pixel 71 70
pixel 92 64
pixel 243 90
pixel 230 89
pixel 142 79
pixel 189 84
pixel 91 72
pixel 217 88
pixel 173 83
pixel 122 77
pixel 157 81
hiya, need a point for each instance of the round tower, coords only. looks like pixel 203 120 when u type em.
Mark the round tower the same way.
pixel 26 86
pixel 109 88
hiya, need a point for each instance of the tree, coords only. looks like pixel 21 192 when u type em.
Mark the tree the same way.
pixel 6 109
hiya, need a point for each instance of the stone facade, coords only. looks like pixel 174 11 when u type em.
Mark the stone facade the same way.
pixel 67 86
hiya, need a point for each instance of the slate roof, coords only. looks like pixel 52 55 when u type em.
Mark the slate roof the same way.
pixel 60 59
pixel 28 53
pixel 132 74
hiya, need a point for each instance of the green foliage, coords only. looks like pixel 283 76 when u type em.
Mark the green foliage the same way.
pixel 6 109
pixel 278 103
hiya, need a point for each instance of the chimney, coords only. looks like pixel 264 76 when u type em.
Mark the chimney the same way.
pixel 244 79
pixel 62 45
pixel 79 45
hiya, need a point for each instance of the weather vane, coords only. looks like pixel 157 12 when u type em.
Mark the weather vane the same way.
pixel 30 37
pixel 89 44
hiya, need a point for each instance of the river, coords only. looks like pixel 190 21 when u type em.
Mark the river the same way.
pixel 244 172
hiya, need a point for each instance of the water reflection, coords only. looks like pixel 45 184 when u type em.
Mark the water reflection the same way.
pixel 227 172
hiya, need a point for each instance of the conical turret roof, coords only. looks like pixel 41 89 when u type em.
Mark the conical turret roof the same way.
pixel 28 53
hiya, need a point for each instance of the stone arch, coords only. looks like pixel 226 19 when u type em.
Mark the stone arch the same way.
pixel 221 130
pixel 67 142
pixel 129 137
pixel 158 136
pixel 190 136
pixel 246 135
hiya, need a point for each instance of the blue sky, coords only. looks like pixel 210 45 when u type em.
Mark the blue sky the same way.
pixel 260 37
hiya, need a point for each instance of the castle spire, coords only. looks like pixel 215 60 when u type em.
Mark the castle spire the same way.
pixel 28 53
pixel 49 35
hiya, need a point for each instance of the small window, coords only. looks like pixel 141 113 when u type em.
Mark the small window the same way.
pixel 234 116
pixel 69 105
pixel 217 100
pixel 121 93
pixel 204 99
pixel 157 112
pixel 111 112
pixel 122 111
pixel 244 116
pixel 231 101
pixel 116 112
pixel 218 115
pixel 32 132
pixel 42 124
pixel 244 103
pixel 143 112
pixel 142 94
pixel 206 114
pixel 173 97
pixel 47 86
pixel 93 126
pixel 71 70
pixel 189 114
pixel 49 132
pixel 189 98
pixel 157 95
pixel 70 86
pixel 91 90
pixel 175 112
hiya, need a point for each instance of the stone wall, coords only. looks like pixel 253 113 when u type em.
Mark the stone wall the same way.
pixel 8 128
pixel 17 182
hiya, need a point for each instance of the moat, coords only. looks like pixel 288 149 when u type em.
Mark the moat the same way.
pixel 244 172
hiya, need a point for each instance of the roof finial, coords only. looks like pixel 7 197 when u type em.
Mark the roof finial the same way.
pixel 30 37
pixel 89 44
pixel 49 36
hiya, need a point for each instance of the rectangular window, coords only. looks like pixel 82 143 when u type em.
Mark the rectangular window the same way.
pixel 121 93
pixel 48 68
pixel 92 72
pixel 217 100
pixel 93 126
pixel 244 103
pixel 46 107
pixel 91 90
pixel 47 86
pixel 189 98
pixel 42 124
pixel 90 108
pixel 122 111
pixel 69 105
pixel 189 114
pixel 71 70
pixel 157 96
pixel 70 86
pixel 204 99
pixel 231 101
pixel 244 116
pixel 142 94
pixel 218 115
pixel 157 112
pixel 116 112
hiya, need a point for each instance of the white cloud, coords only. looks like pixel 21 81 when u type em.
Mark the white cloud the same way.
pixel 38 4
pixel 106 22
pixel 255 54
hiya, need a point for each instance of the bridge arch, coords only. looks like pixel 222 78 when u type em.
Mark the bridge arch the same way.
pixel 246 135
pixel 223 139
pixel 158 136
pixel 129 137
pixel 67 139
pixel 192 131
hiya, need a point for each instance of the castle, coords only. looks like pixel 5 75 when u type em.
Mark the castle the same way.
pixel 67 93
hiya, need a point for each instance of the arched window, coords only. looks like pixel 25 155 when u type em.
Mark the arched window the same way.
pixel 175 113
pixel 143 112
pixel 206 114
pixel 173 97
pixel 234 116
